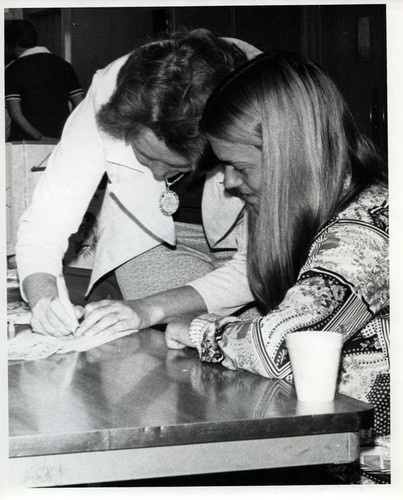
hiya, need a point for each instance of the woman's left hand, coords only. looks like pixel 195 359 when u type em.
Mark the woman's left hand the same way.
pixel 110 316
pixel 177 332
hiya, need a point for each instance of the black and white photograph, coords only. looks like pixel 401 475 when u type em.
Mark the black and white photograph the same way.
pixel 196 227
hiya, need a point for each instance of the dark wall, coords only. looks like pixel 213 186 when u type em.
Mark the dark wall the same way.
pixel 101 35
pixel 354 53
pixel 266 27
pixel 216 19
pixel 331 34
pixel 270 27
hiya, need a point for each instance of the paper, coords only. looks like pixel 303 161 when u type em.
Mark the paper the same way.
pixel 84 343
pixel 29 346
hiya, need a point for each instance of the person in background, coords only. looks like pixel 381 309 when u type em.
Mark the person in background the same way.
pixel 317 207
pixel 9 58
pixel 7 124
pixel 159 228
pixel 39 86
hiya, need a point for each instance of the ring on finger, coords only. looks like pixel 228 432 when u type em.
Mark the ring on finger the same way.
pixel 116 316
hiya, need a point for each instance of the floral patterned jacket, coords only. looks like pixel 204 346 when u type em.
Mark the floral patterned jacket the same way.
pixel 343 286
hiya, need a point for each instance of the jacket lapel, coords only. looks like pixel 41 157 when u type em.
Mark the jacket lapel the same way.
pixel 134 188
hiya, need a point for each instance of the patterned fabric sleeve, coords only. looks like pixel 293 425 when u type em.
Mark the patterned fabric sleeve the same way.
pixel 342 287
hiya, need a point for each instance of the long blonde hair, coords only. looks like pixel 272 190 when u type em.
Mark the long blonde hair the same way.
pixel 314 159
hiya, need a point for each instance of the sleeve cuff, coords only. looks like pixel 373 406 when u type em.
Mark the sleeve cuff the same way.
pixel 205 332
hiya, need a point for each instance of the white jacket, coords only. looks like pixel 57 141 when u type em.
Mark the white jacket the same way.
pixel 130 222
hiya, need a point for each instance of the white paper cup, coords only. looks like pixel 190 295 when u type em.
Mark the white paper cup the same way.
pixel 315 361
pixel 314 407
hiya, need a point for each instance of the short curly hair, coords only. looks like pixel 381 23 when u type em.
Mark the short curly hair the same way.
pixel 164 86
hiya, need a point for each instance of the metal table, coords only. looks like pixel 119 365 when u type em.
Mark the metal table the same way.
pixel 134 409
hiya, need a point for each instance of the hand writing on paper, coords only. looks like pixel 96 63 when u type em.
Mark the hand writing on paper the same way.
pixel 50 316
pixel 52 312
pixel 112 316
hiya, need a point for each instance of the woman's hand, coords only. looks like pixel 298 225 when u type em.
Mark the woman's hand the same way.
pixel 123 315
pixel 50 317
pixel 113 316
pixel 177 332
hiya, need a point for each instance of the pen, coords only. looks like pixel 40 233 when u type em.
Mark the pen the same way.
pixel 65 300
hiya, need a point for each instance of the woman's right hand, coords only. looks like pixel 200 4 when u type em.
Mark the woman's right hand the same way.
pixel 50 317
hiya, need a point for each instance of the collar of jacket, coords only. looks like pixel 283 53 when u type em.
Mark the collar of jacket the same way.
pixel 133 186
pixel 34 50
pixel 136 189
